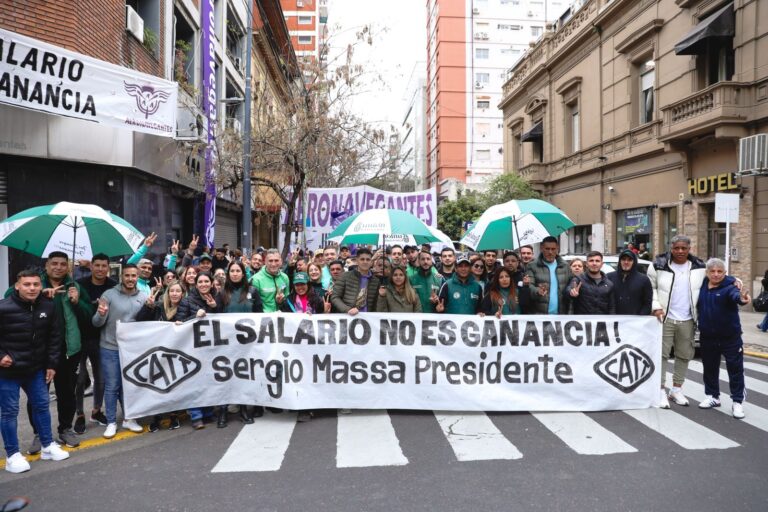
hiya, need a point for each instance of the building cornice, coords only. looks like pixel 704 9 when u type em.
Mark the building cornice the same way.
pixel 640 35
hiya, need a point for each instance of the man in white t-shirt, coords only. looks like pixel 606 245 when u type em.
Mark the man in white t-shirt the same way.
pixel 676 278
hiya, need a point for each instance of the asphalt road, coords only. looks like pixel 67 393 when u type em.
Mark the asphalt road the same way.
pixel 683 459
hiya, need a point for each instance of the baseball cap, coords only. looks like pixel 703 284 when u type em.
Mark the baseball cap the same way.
pixel 300 277
pixel 205 257
pixel 463 260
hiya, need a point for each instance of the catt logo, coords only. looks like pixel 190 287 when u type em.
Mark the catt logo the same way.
pixel 161 369
pixel 625 368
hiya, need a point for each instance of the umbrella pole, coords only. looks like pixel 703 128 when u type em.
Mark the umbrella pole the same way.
pixel 74 240
pixel 517 233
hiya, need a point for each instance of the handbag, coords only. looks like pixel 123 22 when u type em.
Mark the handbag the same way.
pixel 760 304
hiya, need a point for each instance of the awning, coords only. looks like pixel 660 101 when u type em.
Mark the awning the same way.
pixel 535 133
pixel 719 25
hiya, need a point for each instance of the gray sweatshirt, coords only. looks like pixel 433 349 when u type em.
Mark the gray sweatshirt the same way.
pixel 122 308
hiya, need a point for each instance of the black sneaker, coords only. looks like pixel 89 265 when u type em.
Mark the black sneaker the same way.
pixel 68 439
pixel 99 417
pixel 80 424
pixel 175 423
pixel 35 447
pixel 154 426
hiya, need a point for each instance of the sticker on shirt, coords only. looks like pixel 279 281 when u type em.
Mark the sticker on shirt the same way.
pixel 474 296
pixel 456 295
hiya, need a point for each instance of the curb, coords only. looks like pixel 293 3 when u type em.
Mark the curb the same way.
pixel 761 355
pixel 88 443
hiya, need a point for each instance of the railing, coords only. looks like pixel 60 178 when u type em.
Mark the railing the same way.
pixel 716 96
pixel 534 173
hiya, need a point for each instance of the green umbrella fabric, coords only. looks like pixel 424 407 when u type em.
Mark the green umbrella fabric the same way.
pixel 79 230
pixel 370 226
pixel 516 223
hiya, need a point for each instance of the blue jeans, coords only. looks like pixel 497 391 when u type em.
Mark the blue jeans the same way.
pixel 199 413
pixel 764 324
pixel 113 383
pixel 37 395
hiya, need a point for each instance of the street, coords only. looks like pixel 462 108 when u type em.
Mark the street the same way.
pixel 686 458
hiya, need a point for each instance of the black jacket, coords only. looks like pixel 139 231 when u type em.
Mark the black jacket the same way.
pixel 155 314
pixel 315 303
pixel 632 291
pixel 193 301
pixel 595 297
pixel 31 333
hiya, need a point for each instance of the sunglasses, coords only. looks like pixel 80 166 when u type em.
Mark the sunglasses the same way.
pixel 477 266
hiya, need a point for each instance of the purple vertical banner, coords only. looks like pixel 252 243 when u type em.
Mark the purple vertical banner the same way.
pixel 209 107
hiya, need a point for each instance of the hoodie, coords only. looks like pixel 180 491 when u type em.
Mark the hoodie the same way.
pixel 632 291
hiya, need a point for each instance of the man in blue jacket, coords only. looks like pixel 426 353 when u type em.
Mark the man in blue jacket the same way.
pixel 720 327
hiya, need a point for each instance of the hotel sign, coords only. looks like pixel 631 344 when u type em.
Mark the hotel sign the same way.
pixel 715 183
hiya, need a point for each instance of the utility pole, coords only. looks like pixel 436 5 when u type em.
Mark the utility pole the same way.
pixel 247 235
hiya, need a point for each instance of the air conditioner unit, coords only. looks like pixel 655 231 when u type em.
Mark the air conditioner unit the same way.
pixel 134 23
pixel 753 155
pixel 479 85
pixel 299 3
pixel 475 10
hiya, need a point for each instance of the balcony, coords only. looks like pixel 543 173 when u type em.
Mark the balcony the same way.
pixel 720 104
pixel 535 174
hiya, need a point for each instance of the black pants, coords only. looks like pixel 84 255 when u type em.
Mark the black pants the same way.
pixel 64 383
pixel 712 350
pixel 90 351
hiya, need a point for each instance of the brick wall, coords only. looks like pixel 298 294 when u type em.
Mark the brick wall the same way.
pixel 91 27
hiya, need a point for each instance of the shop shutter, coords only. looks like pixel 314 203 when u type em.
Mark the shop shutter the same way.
pixel 3 187
pixel 226 229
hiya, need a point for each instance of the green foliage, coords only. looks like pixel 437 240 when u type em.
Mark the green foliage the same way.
pixel 150 40
pixel 452 215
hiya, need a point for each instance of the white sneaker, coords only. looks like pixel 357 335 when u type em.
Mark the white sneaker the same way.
pixel 677 396
pixel 738 410
pixel 133 426
pixel 17 463
pixel 110 431
pixel 663 400
pixel 709 402
pixel 54 452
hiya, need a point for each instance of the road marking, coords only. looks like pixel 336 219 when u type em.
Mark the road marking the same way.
pixel 751 384
pixel 583 434
pixel 367 438
pixel 679 429
pixel 260 446
pixel 756 367
pixel 755 416
pixel 473 436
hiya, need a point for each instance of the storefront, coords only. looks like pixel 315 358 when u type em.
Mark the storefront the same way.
pixel 633 226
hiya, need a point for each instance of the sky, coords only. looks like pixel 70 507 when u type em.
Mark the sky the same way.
pixel 398 42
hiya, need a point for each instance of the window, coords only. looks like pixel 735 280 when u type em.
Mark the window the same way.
pixel 506 26
pixel 483 154
pixel 669 224
pixel 481 53
pixel 536 31
pixel 717 64
pixel 149 11
pixel 305 39
pixel 482 78
pixel 517 151
pixel 575 134
pixel 483 130
pixel 510 51
pixel 483 104
pixel 510 2
pixel 646 100
pixel 305 20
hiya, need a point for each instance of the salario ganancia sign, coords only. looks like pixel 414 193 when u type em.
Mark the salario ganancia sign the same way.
pixel 44 77
pixel 375 361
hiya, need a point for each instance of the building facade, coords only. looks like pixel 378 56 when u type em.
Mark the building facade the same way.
pixel 153 182
pixel 471 44
pixel 307 22
pixel 413 129
pixel 628 117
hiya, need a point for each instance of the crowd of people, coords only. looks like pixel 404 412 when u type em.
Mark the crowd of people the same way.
pixel 52 326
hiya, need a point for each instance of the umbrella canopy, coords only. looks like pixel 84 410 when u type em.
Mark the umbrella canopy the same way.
pixel 516 223
pixel 370 226
pixel 80 230
pixel 443 240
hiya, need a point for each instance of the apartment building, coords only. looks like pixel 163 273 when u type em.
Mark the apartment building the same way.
pixel 471 45
pixel 629 117
pixel 307 22
pixel 413 129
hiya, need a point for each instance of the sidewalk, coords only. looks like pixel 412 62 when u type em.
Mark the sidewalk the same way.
pixel 755 342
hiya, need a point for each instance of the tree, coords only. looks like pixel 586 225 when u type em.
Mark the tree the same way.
pixel 453 215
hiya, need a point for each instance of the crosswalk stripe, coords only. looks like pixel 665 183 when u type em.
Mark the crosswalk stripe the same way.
pixel 367 438
pixel 583 434
pixel 755 416
pixel 260 446
pixel 762 368
pixel 473 436
pixel 755 385
pixel 679 429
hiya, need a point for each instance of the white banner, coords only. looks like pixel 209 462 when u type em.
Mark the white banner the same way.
pixel 326 208
pixel 41 76
pixel 393 361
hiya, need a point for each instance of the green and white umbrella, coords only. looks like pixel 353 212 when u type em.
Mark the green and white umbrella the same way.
pixel 80 230
pixel 371 226
pixel 443 240
pixel 516 223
